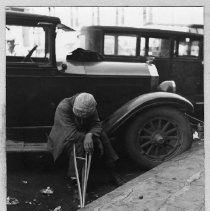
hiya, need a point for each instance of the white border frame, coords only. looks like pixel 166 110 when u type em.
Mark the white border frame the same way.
pixel 140 3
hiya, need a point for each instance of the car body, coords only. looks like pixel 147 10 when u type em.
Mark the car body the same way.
pixel 123 91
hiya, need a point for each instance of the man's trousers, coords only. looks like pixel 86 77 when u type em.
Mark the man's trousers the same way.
pixel 109 154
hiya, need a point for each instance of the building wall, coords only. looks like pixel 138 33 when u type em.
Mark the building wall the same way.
pixel 177 15
pixel 122 16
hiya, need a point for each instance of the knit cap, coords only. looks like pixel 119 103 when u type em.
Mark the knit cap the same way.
pixel 84 105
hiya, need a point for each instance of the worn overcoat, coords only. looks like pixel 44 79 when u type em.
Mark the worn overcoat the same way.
pixel 66 128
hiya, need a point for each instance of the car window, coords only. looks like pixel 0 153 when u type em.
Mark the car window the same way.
pixel 159 47
pixel 188 47
pixel 20 40
pixel 126 46
pixel 120 45
pixel 109 44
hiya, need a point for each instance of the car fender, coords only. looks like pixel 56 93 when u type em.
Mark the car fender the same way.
pixel 142 102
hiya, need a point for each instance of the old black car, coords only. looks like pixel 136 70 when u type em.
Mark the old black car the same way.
pixel 134 107
pixel 177 55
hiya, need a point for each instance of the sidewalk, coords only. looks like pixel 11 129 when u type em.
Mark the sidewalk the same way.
pixel 175 185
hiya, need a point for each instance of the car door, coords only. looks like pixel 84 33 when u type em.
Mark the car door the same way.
pixel 187 68
pixel 34 86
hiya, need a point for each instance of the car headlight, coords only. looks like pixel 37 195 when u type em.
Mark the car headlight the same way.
pixel 167 86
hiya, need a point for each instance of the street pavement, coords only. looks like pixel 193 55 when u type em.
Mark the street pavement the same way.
pixel 176 185
pixel 34 183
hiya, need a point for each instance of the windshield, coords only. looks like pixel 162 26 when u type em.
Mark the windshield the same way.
pixel 20 40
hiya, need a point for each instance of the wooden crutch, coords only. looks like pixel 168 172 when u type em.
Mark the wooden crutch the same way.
pixel 85 170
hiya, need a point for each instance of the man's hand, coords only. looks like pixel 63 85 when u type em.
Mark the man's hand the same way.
pixel 88 143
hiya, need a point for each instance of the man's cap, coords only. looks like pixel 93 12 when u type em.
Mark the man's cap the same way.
pixel 84 105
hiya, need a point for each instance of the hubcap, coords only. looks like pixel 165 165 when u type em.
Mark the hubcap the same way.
pixel 158 138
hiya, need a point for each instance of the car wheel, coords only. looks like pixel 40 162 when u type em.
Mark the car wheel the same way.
pixel 158 135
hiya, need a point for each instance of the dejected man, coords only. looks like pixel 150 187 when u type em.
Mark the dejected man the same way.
pixel 77 122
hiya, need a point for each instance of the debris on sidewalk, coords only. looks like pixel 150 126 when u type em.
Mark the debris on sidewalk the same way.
pixel 198 138
pixel 24 182
pixel 195 135
pixel 47 191
pixel 194 178
pixel 33 202
pixel 12 201
pixel 57 209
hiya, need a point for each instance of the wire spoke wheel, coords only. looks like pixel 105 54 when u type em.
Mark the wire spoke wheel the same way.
pixel 158 138
pixel 158 135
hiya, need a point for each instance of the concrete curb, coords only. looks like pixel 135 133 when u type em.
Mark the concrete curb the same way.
pixel 174 185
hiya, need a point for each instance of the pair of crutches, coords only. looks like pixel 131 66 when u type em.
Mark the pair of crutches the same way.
pixel 85 173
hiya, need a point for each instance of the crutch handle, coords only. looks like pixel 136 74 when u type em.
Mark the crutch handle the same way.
pixel 80 158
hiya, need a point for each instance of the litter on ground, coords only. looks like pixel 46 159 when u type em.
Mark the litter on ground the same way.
pixel 12 201
pixel 57 209
pixel 47 191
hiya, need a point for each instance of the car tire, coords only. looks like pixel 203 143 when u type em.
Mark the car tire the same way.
pixel 158 135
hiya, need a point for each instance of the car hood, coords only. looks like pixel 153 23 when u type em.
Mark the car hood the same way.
pixel 112 68
pixel 120 68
